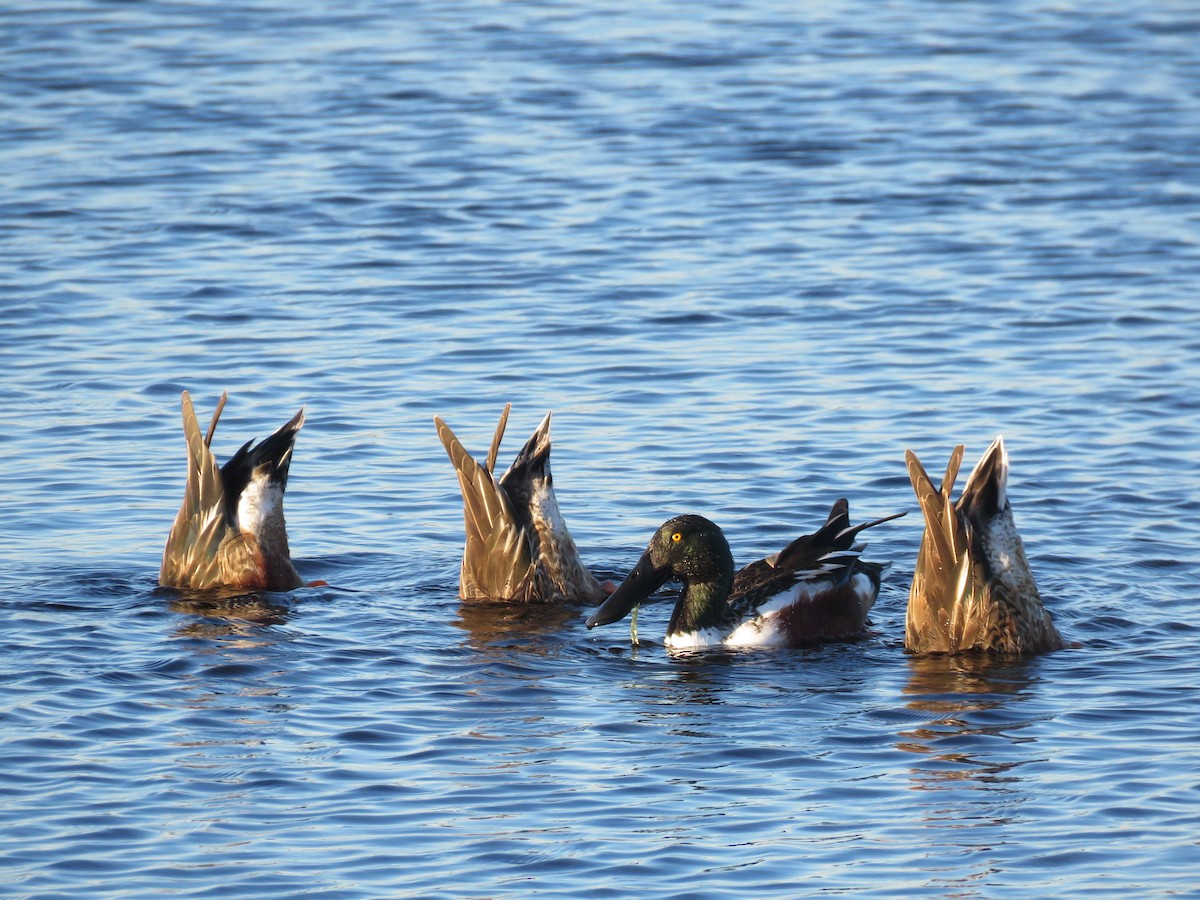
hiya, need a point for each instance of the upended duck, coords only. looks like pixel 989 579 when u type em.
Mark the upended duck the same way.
pixel 518 546
pixel 230 530
pixel 972 589
pixel 817 589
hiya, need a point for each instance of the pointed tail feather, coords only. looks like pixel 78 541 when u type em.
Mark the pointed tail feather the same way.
pixel 494 450
pixel 837 534
pixel 531 462
pixel 271 457
pixel 275 452
pixel 848 535
pixel 952 467
pixel 212 426
pixel 836 522
pixel 940 516
pixel 985 493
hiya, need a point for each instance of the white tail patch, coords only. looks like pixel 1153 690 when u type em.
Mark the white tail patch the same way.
pixel 260 507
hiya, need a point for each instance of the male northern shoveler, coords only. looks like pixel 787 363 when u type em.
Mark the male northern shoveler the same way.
pixel 816 589
pixel 972 588
pixel 518 546
pixel 230 530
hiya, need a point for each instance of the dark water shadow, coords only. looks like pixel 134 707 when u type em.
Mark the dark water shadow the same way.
pixel 497 625
pixel 218 610
pixel 233 605
pixel 683 701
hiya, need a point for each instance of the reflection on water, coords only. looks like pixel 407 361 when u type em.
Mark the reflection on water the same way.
pixel 227 609
pixel 972 699
pixel 971 752
pixel 500 627
pixel 934 680
pixel 232 642
pixel 682 702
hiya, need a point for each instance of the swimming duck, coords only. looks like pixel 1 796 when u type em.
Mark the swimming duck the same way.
pixel 518 546
pixel 230 530
pixel 972 588
pixel 816 589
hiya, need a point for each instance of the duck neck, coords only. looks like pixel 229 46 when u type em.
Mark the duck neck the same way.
pixel 700 605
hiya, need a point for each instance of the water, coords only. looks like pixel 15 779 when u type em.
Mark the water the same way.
pixel 747 253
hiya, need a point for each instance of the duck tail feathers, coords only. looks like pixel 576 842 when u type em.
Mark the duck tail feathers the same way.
pixel 534 458
pixel 497 560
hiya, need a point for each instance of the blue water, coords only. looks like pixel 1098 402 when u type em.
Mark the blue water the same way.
pixel 748 253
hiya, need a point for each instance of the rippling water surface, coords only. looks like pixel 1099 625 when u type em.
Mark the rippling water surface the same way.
pixel 747 253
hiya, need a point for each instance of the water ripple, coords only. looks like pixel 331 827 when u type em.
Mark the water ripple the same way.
pixel 747 255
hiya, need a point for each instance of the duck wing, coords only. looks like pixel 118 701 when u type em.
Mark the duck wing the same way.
pixel 192 557
pixel 498 561
pixel 818 566
pixel 819 552
pixel 933 620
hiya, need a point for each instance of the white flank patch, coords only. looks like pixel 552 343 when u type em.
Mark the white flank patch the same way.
pixel 864 591
pixel 760 631
pixel 801 591
pixel 763 630
pixel 694 640
pixel 261 501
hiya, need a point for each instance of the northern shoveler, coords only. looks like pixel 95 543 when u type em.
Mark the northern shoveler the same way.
pixel 518 546
pixel 230 530
pixel 972 588
pixel 816 589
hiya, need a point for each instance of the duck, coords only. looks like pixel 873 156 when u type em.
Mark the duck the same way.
pixel 518 546
pixel 815 590
pixel 230 530
pixel 972 588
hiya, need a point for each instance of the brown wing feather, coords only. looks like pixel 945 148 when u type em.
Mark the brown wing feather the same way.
pixel 943 563
pixel 497 561
pixel 242 562
pixel 494 450
pixel 191 558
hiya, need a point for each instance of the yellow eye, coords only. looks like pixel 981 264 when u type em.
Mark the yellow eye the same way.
pixel 677 537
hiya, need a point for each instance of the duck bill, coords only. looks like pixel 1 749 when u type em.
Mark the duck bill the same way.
pixel 644 580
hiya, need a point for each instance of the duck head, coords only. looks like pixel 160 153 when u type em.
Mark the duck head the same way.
pixel 688 549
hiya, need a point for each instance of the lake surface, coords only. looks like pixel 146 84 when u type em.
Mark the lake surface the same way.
pixel 748 253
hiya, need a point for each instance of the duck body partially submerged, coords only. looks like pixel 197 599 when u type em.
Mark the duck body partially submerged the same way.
pixel 518 547
pixel 817 589
pixel 230 530
pixel 972 588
